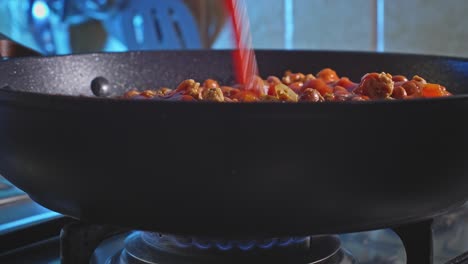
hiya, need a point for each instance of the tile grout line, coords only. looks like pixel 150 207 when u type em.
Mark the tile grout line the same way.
pixel 288 24
pixel 380 25
pixel 374 27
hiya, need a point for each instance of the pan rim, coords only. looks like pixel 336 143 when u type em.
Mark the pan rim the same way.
pixel 18 96
pixel 325 51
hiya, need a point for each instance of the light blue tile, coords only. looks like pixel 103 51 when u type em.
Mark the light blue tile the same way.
pixel 427 26
pixel 334 24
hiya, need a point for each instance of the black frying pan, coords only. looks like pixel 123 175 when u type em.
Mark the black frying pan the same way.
pixel 232 169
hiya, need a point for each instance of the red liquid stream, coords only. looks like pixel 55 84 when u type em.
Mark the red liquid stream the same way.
pixel 245 64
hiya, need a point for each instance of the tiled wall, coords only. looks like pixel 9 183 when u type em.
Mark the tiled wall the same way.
pixel 333 24
pixel 427 26
pixel 416 26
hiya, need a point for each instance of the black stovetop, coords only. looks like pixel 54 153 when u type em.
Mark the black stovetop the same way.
pixel 29 233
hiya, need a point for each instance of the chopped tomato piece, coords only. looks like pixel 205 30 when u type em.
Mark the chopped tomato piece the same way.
pixel 319 85
pixel 328 75
pixel 433 90
pixel 346 83
pixel 246 96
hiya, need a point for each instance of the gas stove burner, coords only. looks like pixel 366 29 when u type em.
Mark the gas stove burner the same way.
pixel 149 248
pixel 170 243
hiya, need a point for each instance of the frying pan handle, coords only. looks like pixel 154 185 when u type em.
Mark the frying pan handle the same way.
pixel 11 49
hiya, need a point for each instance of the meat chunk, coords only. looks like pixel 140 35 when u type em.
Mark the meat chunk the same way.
pixel 149 93
pixel 419 79
pixel 213 94
pixel 290 77
pixel 376 85
pixel 131 94
pixel 164 91
pixel 210 83
pixel 190 87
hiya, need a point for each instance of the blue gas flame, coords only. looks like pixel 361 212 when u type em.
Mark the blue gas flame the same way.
pixel 227 245
pixel 245 246
pixel 268 244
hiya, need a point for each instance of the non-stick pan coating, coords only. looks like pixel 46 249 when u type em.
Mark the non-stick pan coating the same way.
pixel 232 169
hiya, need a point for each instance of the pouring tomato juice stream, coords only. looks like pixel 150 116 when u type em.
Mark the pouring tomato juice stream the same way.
pixel 245 64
